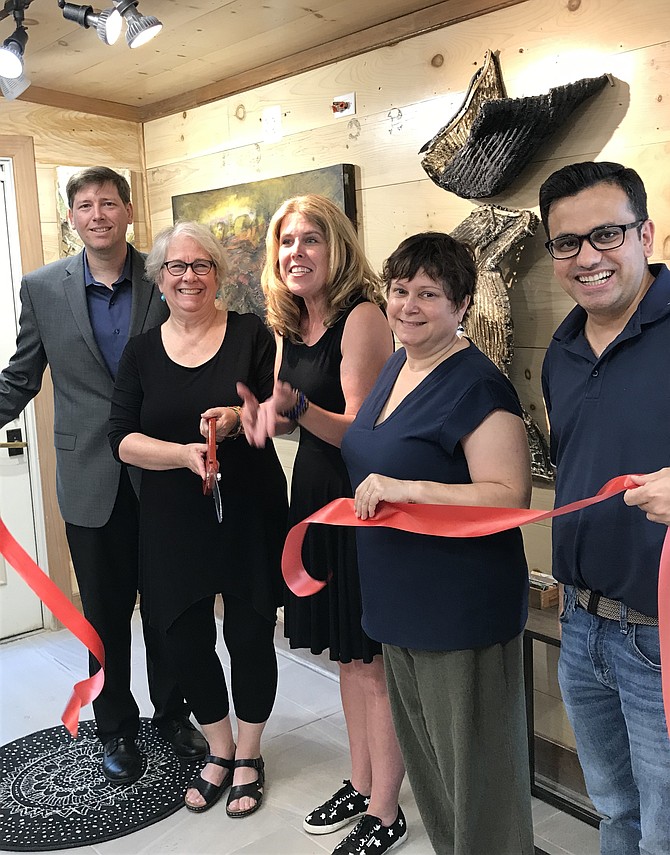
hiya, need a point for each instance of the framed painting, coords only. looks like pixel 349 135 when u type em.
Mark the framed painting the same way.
pixel 239 216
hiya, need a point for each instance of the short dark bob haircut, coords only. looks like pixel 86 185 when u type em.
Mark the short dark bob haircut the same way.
pixel 575 177
pixel 448 262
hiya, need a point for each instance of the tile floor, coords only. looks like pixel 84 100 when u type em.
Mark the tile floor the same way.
pixel 305 752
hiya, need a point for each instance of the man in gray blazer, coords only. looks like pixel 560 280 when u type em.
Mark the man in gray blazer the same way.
pixel 76 316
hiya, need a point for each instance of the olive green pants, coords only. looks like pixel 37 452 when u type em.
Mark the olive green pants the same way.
pixel 461 722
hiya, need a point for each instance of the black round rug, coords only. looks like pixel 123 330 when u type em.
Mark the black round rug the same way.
pixel 53 794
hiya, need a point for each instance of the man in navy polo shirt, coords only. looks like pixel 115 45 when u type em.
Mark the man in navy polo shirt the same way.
pixel 606 381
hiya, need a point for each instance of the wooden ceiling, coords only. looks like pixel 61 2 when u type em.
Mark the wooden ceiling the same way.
pixel 209 49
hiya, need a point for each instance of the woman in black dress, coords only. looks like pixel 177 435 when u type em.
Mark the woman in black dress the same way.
pixel 169 381
pixel 332 341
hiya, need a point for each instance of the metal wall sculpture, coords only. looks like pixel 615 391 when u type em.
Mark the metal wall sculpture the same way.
pixel 497 236
pixel 491 138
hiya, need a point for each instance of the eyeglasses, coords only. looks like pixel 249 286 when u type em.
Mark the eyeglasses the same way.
pixel 601 239
pixel 200 267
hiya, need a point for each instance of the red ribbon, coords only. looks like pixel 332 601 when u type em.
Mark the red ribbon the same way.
pixel 55 600
pixel 467 521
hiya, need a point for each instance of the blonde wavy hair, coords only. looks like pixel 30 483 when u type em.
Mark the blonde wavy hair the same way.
pixel 349 276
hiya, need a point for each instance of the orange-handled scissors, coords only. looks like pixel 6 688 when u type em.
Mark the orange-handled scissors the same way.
pixel 210 486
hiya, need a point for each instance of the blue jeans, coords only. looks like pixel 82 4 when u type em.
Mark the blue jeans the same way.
pixel 610 677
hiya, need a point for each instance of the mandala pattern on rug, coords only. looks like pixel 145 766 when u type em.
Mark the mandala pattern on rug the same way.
pixel 53 794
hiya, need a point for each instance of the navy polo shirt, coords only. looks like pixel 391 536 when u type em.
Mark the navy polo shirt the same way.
pixel 109 312
pixel 610 415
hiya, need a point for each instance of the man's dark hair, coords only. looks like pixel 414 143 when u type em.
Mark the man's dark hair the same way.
pixel 575 177
pixel 97 175
pixel 448 262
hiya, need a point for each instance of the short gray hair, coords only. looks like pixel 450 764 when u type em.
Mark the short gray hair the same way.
pixel 158 255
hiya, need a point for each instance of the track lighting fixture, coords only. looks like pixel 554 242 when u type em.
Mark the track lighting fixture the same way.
pixel 139 28
pixel 11 88
pixel 108 23
pixel 11 53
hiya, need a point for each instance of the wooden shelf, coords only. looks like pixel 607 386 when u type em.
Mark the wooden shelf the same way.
pixel 543 626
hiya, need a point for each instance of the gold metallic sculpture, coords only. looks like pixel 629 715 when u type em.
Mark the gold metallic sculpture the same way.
pixel 497 236
pixel 491 138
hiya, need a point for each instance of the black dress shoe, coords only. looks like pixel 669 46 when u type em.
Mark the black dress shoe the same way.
pixel 186 740
pixel 122 763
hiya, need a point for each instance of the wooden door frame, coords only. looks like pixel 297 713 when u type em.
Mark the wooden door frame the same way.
pixel 21 151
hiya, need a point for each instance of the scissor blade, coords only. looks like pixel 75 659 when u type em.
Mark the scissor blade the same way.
pixel 218 504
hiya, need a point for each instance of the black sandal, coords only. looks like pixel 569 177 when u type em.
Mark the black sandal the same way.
pixel 254 790
pixel 211 793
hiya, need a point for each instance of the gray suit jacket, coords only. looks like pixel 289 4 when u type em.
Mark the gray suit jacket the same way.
pixel 55 329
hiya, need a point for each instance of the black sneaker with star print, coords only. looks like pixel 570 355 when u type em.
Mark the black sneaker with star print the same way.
pixel 346 805
pixel 370 837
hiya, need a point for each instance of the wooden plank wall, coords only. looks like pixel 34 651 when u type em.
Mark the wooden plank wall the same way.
pixel 71 138
pixel 404 94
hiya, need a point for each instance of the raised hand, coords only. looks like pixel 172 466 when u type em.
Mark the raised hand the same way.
pixel 258 420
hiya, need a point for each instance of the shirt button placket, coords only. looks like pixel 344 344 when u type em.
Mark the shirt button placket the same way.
pixel 594 384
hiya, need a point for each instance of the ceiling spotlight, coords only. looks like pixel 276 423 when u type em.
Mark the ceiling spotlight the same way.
pixel 139 28
pixel 108 24
pixel 11 88
pixel 11 53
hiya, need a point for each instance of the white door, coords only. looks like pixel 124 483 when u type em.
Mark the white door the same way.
pixel 20 608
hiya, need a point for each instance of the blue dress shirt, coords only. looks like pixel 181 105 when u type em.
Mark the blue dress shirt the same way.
pixel 109 312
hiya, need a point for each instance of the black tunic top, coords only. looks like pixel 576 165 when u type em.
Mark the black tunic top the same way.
pixel 185 554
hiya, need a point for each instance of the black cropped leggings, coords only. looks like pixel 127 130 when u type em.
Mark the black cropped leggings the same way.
pixel 249 637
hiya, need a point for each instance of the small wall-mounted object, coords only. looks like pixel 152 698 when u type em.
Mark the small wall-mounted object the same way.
pixel 271 124
pixel 344 105
pixel 14 444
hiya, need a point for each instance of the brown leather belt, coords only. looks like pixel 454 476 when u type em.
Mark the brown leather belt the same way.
pixel 596 604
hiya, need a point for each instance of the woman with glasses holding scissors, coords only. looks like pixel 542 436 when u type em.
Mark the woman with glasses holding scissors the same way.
pixel 175 385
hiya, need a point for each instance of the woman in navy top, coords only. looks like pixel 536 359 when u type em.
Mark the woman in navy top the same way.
pixel 443 426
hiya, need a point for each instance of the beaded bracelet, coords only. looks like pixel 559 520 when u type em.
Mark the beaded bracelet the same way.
pixel 238 427
pixel 299 408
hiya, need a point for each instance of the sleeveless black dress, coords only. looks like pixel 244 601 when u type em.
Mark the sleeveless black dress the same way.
pixel 330 619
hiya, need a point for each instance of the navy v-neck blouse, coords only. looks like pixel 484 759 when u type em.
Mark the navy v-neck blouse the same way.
pixel 425 592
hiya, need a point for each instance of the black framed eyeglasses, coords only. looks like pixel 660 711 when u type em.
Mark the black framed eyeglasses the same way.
pixel 601 238
pixel 200 266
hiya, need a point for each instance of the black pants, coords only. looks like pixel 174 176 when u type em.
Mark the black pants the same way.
pixel 249 637
pixel 106 566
